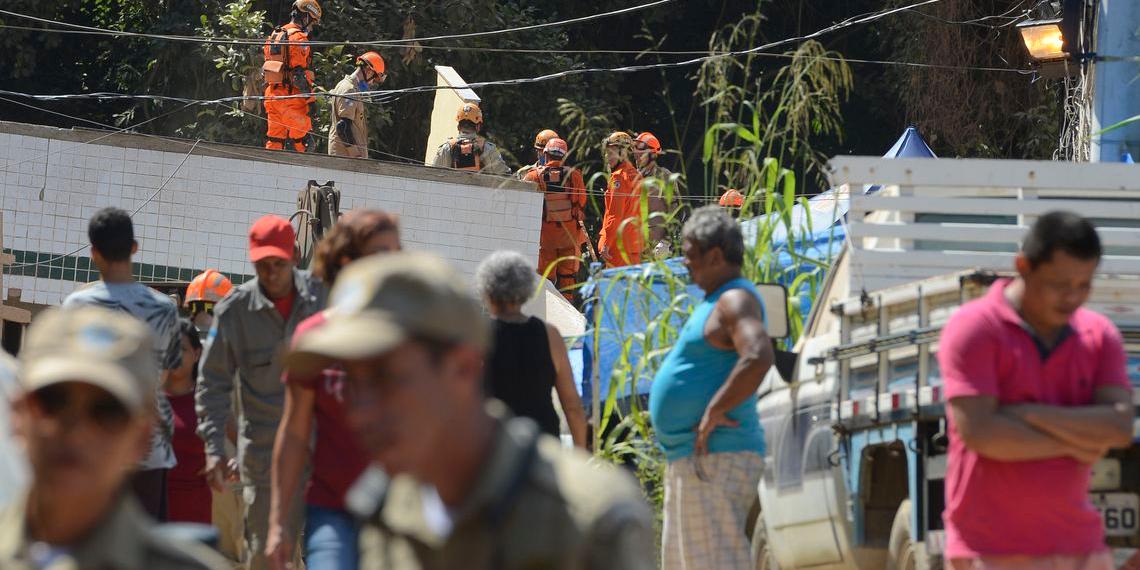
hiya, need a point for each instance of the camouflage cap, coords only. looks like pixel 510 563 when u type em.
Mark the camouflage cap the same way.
pixel 379 302
pixel 104 348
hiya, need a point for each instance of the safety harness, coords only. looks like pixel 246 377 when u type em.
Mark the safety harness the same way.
pixel 466 154
pixel 558 207
pixel 278 69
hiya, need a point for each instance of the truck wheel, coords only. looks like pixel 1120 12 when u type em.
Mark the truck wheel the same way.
pixel 903 553
pixel 762 558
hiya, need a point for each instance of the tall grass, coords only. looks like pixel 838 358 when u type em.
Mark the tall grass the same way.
pixel 746 144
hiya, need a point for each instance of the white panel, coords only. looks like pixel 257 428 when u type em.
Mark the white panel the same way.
pixel 983 173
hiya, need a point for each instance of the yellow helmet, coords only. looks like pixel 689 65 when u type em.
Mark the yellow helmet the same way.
pixel 469 112
pixel 619 138
pixel 543 137
pixel 309 7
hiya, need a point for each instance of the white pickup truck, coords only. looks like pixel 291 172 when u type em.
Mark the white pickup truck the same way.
pixel 857 438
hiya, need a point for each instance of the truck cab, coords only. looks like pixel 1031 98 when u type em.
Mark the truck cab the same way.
pixel 857 437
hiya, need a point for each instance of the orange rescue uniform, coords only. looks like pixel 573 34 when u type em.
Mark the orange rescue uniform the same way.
pixel 623 202
pixel 564 194
pixel 289 121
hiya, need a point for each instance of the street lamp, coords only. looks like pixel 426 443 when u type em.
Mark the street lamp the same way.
pixel 1047 44
pixel 1043 39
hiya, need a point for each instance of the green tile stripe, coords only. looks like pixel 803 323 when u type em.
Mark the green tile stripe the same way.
pixel 82 269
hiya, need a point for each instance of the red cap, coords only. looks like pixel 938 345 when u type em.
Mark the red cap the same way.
pixel 271 236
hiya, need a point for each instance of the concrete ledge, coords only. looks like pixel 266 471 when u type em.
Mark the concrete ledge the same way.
pixel 223 150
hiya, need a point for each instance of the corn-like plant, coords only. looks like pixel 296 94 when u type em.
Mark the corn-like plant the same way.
pixel 642 312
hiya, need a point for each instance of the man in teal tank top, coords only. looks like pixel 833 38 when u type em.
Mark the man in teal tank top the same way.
pixel 703 404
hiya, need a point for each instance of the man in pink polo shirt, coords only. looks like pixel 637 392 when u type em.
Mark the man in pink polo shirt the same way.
pixel 1038 392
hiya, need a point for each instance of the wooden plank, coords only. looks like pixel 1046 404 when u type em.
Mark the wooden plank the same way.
pixel 996 206
pixel 15 314
pixel 973 172
pixel 981 233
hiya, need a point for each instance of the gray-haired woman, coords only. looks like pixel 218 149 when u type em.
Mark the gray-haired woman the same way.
pixel 529 356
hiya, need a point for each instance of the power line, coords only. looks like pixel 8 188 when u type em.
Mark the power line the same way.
pixel 92 30
pixel 96 139
pixel 865 18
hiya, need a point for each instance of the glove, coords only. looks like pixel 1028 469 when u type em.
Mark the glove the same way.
pixel 662 250
pixel 344 131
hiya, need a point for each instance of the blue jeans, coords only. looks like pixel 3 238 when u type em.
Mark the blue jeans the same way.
pixel 330 539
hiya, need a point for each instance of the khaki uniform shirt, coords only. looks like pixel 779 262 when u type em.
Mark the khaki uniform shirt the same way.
pixel 654 180
pixel 535 505
pixel 249 339
pixel 522 172
pixel 353 110
pixel 490 156
pixel 124 540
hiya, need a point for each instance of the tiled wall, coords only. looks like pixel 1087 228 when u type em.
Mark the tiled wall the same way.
pixel 49 187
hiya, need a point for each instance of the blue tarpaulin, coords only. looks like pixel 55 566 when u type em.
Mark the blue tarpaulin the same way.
pixel 638 294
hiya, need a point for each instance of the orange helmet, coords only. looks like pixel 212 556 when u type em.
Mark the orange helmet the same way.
pixel 309 7
pixel 544 137
pixel 556 147
pixel 649 141
pixel 619 138
pixel 469 112
pixel 372 60
pixel 209 286
pixel 732 198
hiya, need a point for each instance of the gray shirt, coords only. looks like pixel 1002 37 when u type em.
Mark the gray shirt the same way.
pixel 161 314
pixel 246 344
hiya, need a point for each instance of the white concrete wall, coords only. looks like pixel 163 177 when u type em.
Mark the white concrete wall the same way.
pixel 51 183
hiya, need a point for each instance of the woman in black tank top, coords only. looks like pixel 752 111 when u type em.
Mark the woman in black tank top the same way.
pixel 528 357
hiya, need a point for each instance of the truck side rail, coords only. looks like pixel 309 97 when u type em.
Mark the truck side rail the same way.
pixel 936 217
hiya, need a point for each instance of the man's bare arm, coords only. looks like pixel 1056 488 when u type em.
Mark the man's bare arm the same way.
pixel 1105 424
pixel 984 429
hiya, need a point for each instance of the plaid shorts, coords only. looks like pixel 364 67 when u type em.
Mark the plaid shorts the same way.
pixel 706 513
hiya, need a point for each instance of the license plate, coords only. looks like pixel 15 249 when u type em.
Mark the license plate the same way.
pixel 1119 511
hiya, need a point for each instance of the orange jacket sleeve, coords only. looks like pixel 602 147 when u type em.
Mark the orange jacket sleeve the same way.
pixel 299 54
pixel 610 218
pixel 577 189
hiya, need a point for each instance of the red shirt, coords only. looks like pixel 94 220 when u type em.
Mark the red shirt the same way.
pixel 285 304
pixel 1031 508
pixel 188 494
pixel 337 459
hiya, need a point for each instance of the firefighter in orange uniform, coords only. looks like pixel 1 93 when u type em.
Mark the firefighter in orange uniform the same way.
pixel 620 241
pixel 540 141
pixel 286 71
pixel 562 214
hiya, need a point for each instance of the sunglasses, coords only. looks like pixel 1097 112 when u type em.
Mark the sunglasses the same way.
pixel 201 306
pixel 106 412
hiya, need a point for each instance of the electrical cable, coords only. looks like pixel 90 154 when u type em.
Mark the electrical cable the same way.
pixel 977 21
pixel 518 81
pixel 96 139
pixel 77 28
pixel 589 191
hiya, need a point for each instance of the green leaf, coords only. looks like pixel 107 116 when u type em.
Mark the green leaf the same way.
pixel 1119 125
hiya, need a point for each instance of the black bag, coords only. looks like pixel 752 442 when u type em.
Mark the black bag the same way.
pixel 318 209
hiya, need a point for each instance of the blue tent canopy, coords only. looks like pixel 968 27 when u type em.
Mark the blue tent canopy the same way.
pixel 638 294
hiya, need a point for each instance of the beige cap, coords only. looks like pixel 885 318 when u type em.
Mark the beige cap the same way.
pixel 380 301
pixel 104 348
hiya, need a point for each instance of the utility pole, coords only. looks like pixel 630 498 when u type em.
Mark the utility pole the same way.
pixel 1116 91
